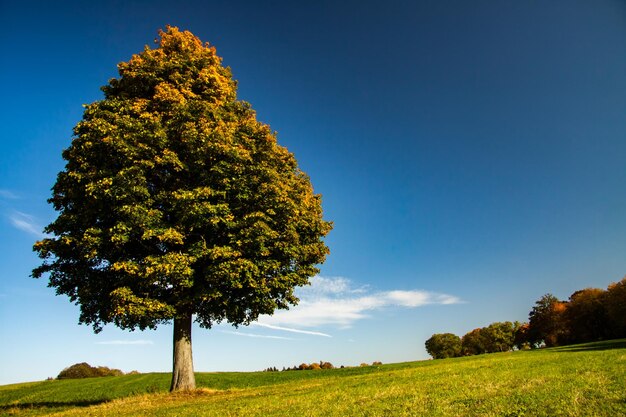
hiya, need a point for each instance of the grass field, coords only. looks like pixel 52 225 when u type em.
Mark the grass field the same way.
pixel 581 380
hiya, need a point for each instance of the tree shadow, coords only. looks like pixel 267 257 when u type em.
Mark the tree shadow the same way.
pixel 50 404
pixel 595 346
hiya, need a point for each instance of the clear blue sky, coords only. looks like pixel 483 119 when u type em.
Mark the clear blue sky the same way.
pixel 472 156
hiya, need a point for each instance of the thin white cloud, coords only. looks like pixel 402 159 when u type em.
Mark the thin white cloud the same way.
pixel 125 342
pixel 288 329
pixel 26 223
pixel 331 286
pixel 418 298
pixel 261 336
pixel 8 195
pixel 334 302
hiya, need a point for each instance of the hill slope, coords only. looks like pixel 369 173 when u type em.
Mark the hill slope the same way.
pixel 577 380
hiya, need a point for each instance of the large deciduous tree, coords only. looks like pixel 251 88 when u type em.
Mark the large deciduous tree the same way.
pixel 176 204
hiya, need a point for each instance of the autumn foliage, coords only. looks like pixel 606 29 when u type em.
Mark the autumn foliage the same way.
pixel 589 315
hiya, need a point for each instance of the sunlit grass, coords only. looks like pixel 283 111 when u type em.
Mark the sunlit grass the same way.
pixel 585 380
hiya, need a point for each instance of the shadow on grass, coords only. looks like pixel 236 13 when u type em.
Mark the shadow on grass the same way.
pixel 50 404
pixel 595 346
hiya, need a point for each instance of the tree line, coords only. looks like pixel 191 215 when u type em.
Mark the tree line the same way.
pixel 589 315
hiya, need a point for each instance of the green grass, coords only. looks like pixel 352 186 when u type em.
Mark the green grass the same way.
pixel 581 380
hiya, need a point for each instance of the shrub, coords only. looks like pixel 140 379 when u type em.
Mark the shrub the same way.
pixel 376 363
pixel 308 367
pixel 104 371
pixel 84 370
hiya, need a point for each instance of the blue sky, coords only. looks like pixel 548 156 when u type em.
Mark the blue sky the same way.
pixel 471 155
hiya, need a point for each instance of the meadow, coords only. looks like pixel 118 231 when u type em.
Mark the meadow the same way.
pixel 579 380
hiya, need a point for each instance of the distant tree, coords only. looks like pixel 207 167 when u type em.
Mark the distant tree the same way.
pixel 547 322
pixel 498 337
pixel 84 370
pixel 377 363
pixel 177 204
pixel 615 300
pixel 315 366
pixel 78 370
pixel 443 345
pixel 521 336
pixel 304 367
pixel 473 343
pixel 586 316
pixel 105 371
pixel 326 365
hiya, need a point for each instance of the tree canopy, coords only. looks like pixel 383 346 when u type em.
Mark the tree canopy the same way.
pixel 176 201
pixel 546 321
pixel 443 345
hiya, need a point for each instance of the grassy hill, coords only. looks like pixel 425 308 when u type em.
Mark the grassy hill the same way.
pixel 581 380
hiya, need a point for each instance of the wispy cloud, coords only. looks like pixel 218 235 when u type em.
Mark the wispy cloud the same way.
pixel 125 342
pixel 330 286
pixel 288 329
pixel 26 223
pixel 9 195
pixel 261 336
pixel 334 302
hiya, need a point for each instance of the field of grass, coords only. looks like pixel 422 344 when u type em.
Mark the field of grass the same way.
pixel 581 380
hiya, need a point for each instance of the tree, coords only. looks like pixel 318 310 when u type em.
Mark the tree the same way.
pixel 521 336
pixel 176 203
pixel 499 336
pixel 473 343
pixel 443 345
pixel 586 316
pixel 546 321
pixel 615 299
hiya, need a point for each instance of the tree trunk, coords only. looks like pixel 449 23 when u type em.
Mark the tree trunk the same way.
pixel 183 378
